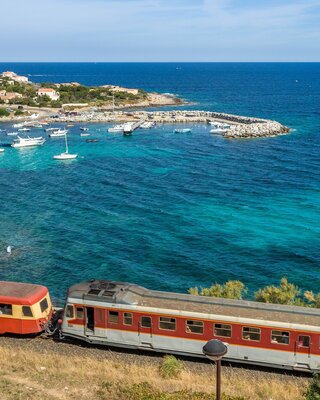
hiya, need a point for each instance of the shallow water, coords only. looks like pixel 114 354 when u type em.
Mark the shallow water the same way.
pixel 171 211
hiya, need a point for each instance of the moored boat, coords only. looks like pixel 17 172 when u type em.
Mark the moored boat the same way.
pixel 24 130
pixel 83 128
pixel 66 155
pixel 12 133
pixel 116 128
pixel 58 133
pixel 1 150
pixel 27 142
pixel 186 130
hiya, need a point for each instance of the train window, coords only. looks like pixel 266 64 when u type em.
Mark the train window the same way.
pixel 280 337
pixel 44 304
pixel 69 311
pixel 146 322
pixel 249 333
pixel 6 309
pixel 304 341
pixel 79 312
pixel 26 311
pixel 113 317
pixel 127 318
pixel 194 326
pixel 167 323
pixel 223 330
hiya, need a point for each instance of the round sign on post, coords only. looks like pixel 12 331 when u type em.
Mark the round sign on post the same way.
pixel 215 350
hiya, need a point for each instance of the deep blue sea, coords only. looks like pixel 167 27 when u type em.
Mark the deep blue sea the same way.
pixel 171 211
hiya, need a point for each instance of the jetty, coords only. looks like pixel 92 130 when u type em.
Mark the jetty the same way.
pixel 240 126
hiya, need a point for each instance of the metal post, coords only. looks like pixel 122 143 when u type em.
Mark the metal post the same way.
pixel 218 379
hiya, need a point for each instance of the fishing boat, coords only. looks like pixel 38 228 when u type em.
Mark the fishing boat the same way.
pixel 24 130
pixel 12 133
pixel 186 130
pixel 58 133
pixel 83 128
pixel 92 140
pixel 51 129
pixel 84 134
pixel 3 130
pixel 116 128
pixel 27 142
pixel 70 125
pixel 1 150
pixel 66 155
pixel 218 130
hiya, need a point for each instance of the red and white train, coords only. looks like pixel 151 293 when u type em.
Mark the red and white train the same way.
pixel 126 315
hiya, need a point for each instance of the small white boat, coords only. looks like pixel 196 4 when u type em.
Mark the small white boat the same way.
pixel 58 133
pixel 219 130
pixel 1 150
pixel 116 128
pixel 66 155
pixel 20 125
pixel 27 142
pixel 12 133
pixel 51 129
pixel 83 128
pixel 147 125
pixel 3 130
pixel 84 134
pixel 186 130
pixel 24 130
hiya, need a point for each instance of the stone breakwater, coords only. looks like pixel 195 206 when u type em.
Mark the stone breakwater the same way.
pixel 240 126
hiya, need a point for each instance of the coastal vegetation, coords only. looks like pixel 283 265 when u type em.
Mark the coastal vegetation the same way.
pixel 69 94
pixel 285 293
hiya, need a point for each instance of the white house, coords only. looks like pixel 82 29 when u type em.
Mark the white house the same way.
pixel 49 92
pixel 15 77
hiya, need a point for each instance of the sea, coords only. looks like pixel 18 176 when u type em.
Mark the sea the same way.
pixel 169 211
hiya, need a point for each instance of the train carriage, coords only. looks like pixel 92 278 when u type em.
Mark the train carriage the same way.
pixel 127 315
pixel 24 308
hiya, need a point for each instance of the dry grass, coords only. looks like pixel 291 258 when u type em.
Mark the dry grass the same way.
pixel 29 375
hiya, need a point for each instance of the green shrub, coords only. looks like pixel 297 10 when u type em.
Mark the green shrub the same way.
pixel 228 290
pixel 313 392
pixel 4 113
pixel 285 293
pixel 18 112
pixel 170 367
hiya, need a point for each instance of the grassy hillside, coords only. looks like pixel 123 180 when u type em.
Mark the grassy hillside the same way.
pixel 41 374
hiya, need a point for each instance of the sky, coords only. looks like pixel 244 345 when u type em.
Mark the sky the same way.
pixel 160 30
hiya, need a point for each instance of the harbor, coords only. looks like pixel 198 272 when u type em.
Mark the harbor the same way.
pixel 238 126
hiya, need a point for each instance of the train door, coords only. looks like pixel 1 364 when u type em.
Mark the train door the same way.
pixel 302 351
pixel 89 321
pixel 145 331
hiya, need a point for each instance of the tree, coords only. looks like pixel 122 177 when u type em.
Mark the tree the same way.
pixel 285 293
pixel 228 290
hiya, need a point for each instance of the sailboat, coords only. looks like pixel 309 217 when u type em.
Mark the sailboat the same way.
pixel 66 155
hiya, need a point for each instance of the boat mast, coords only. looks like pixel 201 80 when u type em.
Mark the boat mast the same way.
pixel 65 136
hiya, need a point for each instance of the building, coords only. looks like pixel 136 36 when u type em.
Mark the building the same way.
pixel 15 77
pixel 54 95
pixel 7 96
pixel 121 89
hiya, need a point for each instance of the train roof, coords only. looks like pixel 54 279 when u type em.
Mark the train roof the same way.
pixel 21 293
pixel 112 292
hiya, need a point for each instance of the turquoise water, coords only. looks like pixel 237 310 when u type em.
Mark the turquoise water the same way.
pixel 171 211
